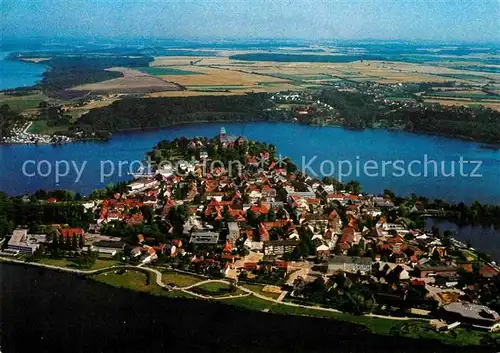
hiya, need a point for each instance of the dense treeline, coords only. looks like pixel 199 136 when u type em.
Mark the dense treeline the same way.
pixel 360 111
pixel 481 124
pixel 68 71
pixel 17 211
pixel 136 113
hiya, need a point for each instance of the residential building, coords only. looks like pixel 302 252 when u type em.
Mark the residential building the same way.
pixel 234 232
pixel 350 264
pixel 204 237
pixel 21 241
pixel 279 247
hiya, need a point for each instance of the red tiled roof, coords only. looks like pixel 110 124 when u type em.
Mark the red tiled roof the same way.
pixel 250 265
pixel 336 196
pixel 313 200
pixel 333 214
pixel 281 264
pixel 488 271
pixel 71 232
pixel 348 230
pixel 264 234
pixel 227 247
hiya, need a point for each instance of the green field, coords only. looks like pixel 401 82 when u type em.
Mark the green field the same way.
pixel 216 87
pixel 180 279
pixel 251 302
pixel 160 71
pixel 464 76
pixel 41 127
pixel 21 103
pixel 136 280
pixel 257 288
pixel 458 336
pixel 215 289
pixel 68 262
pixel 299 77
pixel 271 83
pixel 463 95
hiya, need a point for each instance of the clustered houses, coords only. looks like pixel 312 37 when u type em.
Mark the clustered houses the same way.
pixel 250 225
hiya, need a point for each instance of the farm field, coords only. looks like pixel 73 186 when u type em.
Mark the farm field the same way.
pixel 379 71
pixel 475 94
pixel 463 102
pixel 222 72
pixel 22 103
pixel 192 93
pixel 159 71
pixel 133 81
pixel 41 127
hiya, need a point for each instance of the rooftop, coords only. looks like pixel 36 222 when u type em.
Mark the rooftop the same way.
pixel 340 259
pixel 473 311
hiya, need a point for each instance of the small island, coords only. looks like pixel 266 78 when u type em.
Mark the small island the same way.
pixel 229 219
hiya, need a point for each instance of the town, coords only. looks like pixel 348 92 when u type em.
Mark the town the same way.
pixel 264 230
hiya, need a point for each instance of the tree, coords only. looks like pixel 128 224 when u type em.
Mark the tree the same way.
pixel 178 215
pixel 147 212
pixel 389 194
pixel 271 215
pixel 353 187
pixel 74 243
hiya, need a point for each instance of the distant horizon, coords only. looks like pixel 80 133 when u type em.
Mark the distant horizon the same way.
pixel 251 39
pixel 445 21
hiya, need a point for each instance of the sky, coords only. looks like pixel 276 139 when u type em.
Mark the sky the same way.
pixel 439 20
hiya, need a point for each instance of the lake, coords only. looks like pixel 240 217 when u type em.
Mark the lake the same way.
pixel 59 312
pixel 485 239
pixel 302 143
pixel 16 74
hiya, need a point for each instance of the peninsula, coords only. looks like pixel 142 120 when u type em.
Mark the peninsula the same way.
pixel 252 231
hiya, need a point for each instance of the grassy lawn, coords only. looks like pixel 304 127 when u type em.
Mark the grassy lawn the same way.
pixel 458 336
pixel 215 289
pixel 376 325
pixel 257 288
pixel 180 279
pixel 136 280
pixel 160 71
pixel 68 262
pixel 251 302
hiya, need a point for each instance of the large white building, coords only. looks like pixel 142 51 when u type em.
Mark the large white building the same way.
pixel 21 241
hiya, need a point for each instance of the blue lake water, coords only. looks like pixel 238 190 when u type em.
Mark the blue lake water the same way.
pixel 14 74
pixel 486 239
pixel 300 142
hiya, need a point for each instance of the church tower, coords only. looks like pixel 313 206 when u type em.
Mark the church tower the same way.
pixel 222 135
